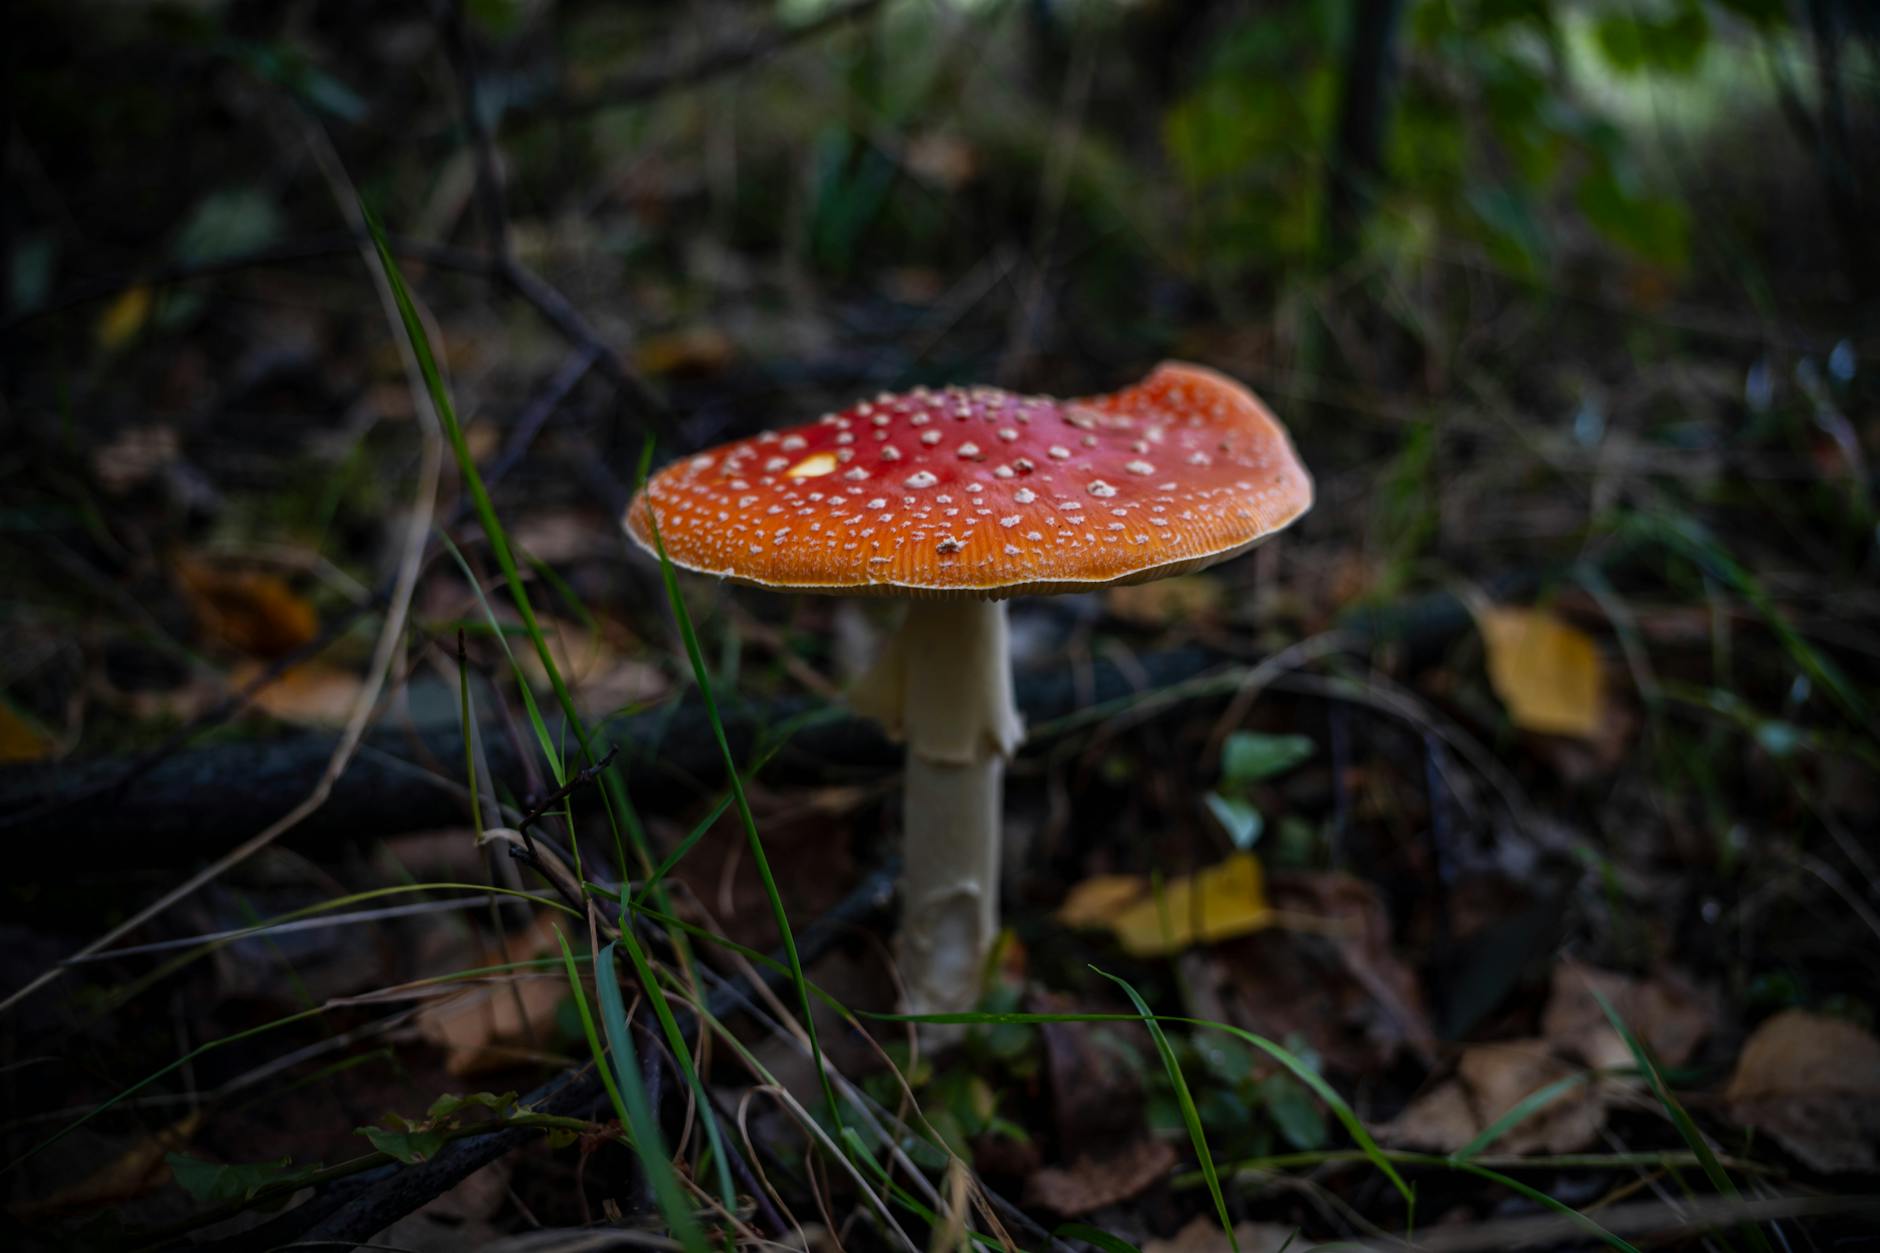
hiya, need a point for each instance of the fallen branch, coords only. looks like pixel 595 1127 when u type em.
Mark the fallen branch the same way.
pixel 195 803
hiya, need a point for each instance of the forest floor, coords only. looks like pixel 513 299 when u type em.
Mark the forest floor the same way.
pixel 1486 862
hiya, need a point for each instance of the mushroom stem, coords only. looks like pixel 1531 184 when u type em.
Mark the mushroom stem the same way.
pixel 944 684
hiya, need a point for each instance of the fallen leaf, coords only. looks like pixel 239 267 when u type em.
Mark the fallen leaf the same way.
pixel 140 1169
pixel 1204 1235
pixel 250 610
pixel 1813 1084
pixel 134 455
pixel 21 740
pixel 1492 1079
pixel 1665 1012
pixel 1546 672
pixel 1096 1094
pixel 124 317
pixel 312 694
pixel 689 350
pixel 1214 904
pixel 943 159
pixel 1091 1183
pixel 1329 973
pixel 1190 598
pixel 494 1024
pixel 1094 902
pixel 601 679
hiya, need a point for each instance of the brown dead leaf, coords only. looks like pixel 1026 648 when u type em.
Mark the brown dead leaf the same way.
pixel 1092 1183
pixel 1190 598
pixel 134 456
pixel 1096 1097
pixel 688 350
pixel 1204 1235
pixel 315 694
pixel 562 537
pixel 943 159
pixel 602 680
pixel 492 1025
pixel 138 1170
pixel 1353 917
pixel 21 740
pixel 1339 983
pixel 1490 1080
pixel 1665 1012
pixel 1812 1083
pixel 1096 900
pixel 250 610
pixel 1546 672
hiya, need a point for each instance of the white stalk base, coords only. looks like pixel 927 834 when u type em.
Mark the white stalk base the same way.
pixel 944 684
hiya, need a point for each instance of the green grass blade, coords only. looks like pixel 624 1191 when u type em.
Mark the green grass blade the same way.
pixel 776 739
pixel 1190 1115
pixel 593 1035
pixel 1689 539
pixel 1680 1118
pixel 1094 1235
pixel 1523 1109
pixel 675 1040
pixel 550 750
pixel 1542 1199
pixel 756 844
pixel 464 714
pixel 641 1117
pixel 613 791
pixel 1341 1110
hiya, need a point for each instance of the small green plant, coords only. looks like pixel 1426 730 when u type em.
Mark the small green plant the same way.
pixel 1246 759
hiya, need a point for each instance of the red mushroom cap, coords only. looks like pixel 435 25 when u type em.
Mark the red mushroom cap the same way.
pixel 984 493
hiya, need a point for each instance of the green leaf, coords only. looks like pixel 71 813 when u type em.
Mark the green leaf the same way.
pixel 1766 15
pixel 1655 228
pixel 1238 818
pixel 1247 756
pixel 226 224
pixel 219 1183
pixel 411 1144
pixel 1672 44
pixel 450 1103
pixel 1293 1111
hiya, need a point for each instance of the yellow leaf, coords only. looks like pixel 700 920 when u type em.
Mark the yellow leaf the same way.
pixel 311 694
pixel 124 317
pixel 1094 902
pixel 1181 600
pixel 1546 672
pixel 253 611
pixel 1215 904
pixel 689 350
pixel 138 1170
pixel 20 740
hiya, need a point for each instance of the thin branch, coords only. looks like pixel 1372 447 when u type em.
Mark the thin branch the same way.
pixel 391 635
pixel 662 74
pixel 114 784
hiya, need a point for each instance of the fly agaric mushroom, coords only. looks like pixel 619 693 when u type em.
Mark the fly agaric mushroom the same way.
pixel 957 500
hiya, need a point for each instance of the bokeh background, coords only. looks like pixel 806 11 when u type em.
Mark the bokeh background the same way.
pixel 1572 306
